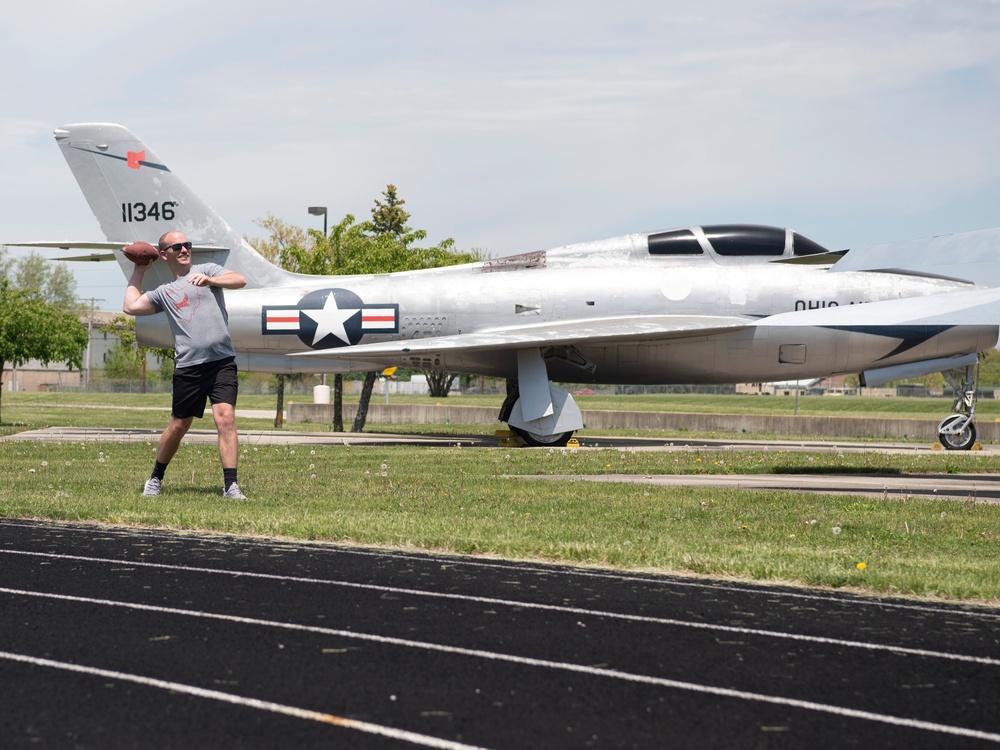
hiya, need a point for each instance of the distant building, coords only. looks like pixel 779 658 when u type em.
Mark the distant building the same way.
pixel 33 376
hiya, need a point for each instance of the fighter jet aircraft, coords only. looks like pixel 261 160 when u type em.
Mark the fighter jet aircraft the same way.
pixel 699 304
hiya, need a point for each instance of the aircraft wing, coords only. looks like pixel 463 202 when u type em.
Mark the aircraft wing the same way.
pixel 976 307
pixel 594 331
pixel 98 250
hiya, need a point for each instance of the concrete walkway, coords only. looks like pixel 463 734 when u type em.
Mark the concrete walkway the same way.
pixel 984 488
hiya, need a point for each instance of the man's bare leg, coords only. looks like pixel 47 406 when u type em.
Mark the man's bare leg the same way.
pixel 225 423
pixel 229 449
pixel 170 441
pixel 171 438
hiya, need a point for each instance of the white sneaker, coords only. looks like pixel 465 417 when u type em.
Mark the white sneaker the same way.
pixel 152 487
pixel 234 493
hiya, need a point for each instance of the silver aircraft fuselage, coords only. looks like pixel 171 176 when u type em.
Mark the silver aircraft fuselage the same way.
pixel 591 284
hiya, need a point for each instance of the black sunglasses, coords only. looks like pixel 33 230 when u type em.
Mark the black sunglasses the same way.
pixel 176 247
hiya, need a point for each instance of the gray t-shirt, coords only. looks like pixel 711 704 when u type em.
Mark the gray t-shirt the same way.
pixel 197 316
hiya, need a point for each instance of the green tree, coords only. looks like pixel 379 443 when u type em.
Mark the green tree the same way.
pixel 60 288
pixel 121 364
pixel 337 253
pixel 386 244
pixel 439 382
pixel 128 360
pixel 389 219
pixel 31 328
pixel 989 368
pixel 393 251
pixel 280 236
pixel 54 284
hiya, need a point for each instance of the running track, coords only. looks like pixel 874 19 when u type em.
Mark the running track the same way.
pixel 127 638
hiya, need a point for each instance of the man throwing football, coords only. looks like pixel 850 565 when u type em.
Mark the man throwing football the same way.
pixel 205 366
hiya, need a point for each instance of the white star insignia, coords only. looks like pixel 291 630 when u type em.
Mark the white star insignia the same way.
pixel 330 320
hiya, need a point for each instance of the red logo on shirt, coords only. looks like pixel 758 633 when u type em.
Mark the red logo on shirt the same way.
pixel 180 300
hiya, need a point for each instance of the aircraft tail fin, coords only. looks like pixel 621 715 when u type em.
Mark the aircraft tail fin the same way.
pixel 135 196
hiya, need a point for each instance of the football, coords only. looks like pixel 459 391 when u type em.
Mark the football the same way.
pixel 141 253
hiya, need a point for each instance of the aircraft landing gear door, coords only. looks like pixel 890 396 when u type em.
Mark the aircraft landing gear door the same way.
pixel 544 414
pixel 533 381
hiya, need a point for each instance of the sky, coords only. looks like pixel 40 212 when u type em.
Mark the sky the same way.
pixel 517 126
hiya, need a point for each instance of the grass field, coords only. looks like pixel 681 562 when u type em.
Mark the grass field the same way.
pixel 903 408
pixel 462 499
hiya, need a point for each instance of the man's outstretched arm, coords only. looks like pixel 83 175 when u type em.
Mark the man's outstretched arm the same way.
pixel 137 303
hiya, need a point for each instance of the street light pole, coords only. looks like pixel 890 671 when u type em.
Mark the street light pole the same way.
pixel 319 211
pixel 338 380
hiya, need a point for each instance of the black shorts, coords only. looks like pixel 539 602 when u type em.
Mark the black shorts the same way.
pixel 215 381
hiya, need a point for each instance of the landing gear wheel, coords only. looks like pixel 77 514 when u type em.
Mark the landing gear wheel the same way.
pixel 963 439
pixel 542 441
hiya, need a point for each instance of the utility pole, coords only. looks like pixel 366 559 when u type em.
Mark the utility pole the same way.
pixel 90 330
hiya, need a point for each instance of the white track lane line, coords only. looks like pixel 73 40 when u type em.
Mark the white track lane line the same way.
pixel 277 708
pixel 985 660
pixel 614 674
pixel 762 590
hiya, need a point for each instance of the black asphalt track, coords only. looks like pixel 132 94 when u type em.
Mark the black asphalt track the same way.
pixel 120 638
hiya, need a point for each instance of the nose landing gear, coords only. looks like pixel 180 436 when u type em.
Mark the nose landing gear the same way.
pixel 957 432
